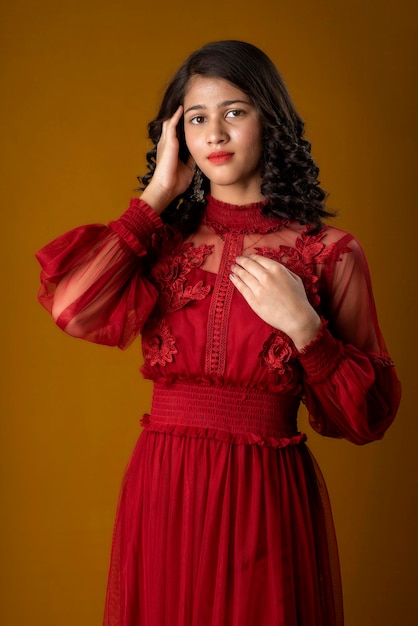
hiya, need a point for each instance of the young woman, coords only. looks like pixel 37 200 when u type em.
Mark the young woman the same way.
pixel 247 304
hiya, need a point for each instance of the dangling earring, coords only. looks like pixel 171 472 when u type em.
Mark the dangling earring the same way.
pixel 198 195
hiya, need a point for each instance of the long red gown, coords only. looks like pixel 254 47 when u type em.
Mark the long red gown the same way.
pixel 223 517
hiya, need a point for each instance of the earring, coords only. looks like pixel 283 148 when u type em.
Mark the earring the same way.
pixel 198 195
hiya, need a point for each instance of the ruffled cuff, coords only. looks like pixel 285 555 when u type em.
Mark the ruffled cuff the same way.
pixel 321 356
pixel 139 226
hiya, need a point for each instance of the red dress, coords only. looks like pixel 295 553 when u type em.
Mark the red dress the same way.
pixel 223 517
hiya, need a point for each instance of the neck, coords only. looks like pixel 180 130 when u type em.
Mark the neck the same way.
pixel 238 196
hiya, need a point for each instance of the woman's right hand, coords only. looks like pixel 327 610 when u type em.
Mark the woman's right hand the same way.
pixel 171 176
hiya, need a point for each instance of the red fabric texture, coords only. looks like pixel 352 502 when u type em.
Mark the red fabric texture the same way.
pixel 224 518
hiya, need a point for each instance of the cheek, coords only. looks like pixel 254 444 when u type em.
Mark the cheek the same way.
pixel 250 138
pixel 257 137
pixel 192 143
pixel 258 141
pixel 255 145
pixel 190 140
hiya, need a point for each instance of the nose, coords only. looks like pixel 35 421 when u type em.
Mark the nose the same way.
pixel 216 131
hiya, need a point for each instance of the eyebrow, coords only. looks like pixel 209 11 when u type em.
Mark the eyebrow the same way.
pixel 225 103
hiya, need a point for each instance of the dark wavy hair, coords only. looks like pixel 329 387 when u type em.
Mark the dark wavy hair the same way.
pixel 289 175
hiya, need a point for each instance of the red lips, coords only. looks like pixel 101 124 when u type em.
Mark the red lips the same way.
pixel 220 156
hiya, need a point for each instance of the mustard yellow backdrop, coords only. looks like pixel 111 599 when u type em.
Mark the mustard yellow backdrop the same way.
pixel 80 81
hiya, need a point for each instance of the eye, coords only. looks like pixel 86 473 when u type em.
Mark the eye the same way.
pixel 235 113
pixel 198 119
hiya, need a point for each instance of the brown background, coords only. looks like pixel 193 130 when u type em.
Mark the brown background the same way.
pixel 81 80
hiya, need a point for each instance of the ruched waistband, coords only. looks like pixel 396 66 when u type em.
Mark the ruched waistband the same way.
pixel 234 414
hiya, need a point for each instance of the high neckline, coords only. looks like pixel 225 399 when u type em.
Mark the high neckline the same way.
pixel 224 217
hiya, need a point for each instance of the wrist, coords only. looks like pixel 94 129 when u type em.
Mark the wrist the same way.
pixel 321 356
pixel 306 332
pixel 157 197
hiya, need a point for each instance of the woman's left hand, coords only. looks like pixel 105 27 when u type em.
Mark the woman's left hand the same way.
pixel 277 295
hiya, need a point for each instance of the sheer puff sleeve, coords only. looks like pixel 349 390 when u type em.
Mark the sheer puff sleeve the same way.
pixel 351 387
pixel 94 278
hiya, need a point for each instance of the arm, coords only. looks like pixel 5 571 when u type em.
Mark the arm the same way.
pixel 350 385
pixel 94 278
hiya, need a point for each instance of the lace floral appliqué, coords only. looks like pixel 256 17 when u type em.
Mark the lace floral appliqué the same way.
pixel 160 345
pixel 276 353
pixel 171 273
pixel 382 360
pixel 301 259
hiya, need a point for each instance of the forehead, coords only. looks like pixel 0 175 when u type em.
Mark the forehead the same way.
pixel 205 90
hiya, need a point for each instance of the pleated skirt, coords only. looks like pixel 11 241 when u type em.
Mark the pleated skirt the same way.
pixel 221 525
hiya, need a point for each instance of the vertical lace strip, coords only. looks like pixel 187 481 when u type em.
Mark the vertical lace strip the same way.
pixel 220 306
